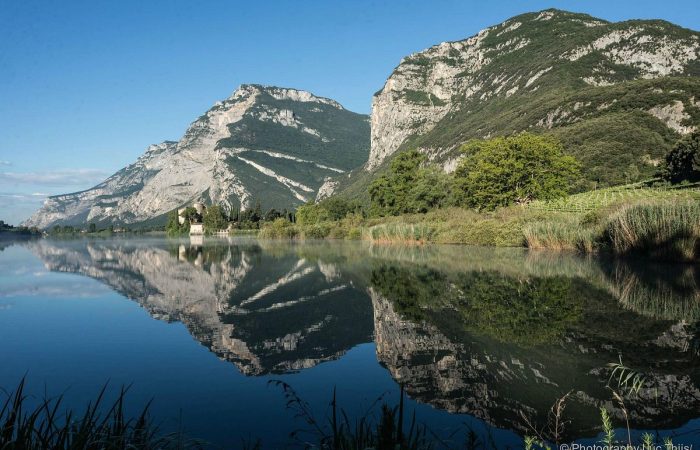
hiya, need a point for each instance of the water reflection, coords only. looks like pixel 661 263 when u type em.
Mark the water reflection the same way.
pixel 494 333
pixel 264 311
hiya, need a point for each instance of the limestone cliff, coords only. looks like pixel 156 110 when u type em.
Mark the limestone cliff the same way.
pixel 616 94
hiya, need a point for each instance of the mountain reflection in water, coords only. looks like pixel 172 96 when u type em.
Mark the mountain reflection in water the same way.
pixel 493 333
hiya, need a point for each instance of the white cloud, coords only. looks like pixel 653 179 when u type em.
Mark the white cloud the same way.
pixel 57 178
pixel 19 196
pixel 5 162
pixel 17 206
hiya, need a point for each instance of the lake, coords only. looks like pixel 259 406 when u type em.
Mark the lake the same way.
pixel 485 339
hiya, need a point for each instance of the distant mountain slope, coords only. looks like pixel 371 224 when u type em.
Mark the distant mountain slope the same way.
pixel 267 144
pixel 616 94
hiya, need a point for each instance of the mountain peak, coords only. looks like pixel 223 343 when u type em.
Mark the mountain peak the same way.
pixel 611 92
pixel 555 14
pixel 269 144
pixel 281 93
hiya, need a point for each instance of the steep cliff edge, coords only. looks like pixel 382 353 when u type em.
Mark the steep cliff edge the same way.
pixel 617 94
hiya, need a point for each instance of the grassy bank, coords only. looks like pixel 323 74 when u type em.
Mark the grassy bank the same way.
pixel 667 229
pixel 663 223
pixel 502 228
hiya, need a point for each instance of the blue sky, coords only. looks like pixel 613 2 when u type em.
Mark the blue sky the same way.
pixel 85 86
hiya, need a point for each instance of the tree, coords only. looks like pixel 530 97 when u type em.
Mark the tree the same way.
pixel 333 208
pixel 429 190
pixel 257 212
pixel 214 219
pixel 516 169
pixel 191 215
pixel 339 207
pixel 92 228
pixel 682 163
pixel 311 213
pixel 272 214
pixel 408 186
pixel 173 227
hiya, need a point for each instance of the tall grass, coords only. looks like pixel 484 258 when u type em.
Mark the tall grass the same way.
pixel 101 426
pixel 630 382
pixel 401 232
pixel 567 234
pixel 390 431
pixel 662 230
pixel 279 229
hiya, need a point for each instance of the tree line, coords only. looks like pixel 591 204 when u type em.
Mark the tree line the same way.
pixel 216 217
pixel 491 173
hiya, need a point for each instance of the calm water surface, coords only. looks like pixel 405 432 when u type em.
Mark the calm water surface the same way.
pixel 478 336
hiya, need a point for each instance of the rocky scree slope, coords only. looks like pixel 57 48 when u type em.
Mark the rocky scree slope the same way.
pixel 617 94
pixel 267 144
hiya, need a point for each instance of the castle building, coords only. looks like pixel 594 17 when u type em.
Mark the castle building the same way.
pixel 196 225
pixel 196 229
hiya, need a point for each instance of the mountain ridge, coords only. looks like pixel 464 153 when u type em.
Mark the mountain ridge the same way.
pixel 617 94
pixel 269 144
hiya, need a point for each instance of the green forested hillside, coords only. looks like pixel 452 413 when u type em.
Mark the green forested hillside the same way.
pixel 617 95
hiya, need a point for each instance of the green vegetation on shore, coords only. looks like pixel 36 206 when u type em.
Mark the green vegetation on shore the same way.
pixel 7 230
pixel 667 223
pixel 216 218
pixel 523 201
pixel 493 173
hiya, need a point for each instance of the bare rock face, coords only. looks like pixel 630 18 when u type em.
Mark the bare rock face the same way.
pixel 419 93
pixel 544 70
pixel 267 144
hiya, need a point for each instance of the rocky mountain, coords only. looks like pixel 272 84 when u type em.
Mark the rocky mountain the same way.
pixel 267 144
pixel 617 94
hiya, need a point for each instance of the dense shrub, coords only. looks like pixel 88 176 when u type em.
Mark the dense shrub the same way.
pixel 173 226
pixel 334 208
pixel 317 231
pixel 683 162
pixel 662 230
pixel 408 187
pixel 278 229
pixel 516 169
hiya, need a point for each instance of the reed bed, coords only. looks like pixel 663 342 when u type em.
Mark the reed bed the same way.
pixel 659 229
pixel 401 232
pixel 662 230
pixel 101 427
pixel 567 234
